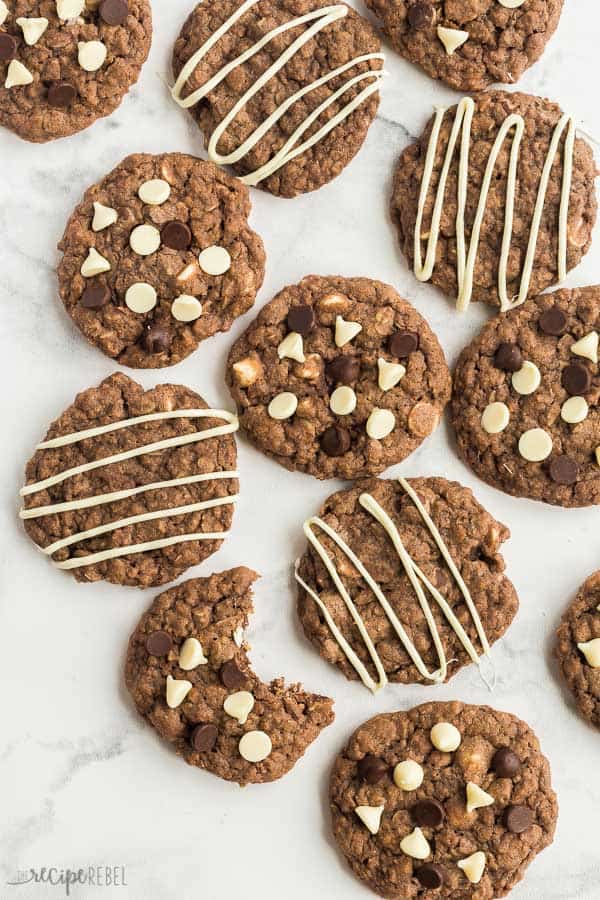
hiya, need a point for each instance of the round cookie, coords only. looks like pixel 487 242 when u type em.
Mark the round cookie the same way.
pixel 578 649
pixel 470 45
pixel 159 256
pixel 548 186
pixel 464 818
pixel 403 581
pixel 66 63
pixel 305 76
pixel 189 675
pixel 338 377
pixel 525 400
pixel 129 487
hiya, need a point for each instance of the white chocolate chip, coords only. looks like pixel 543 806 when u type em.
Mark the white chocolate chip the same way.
pixel 334 303
pixel 370 816
pixel 389 374
pixel 3 12
pixel 238 636
pixel 247 371
pixel 255 746
pixel 144 240
pixel 292 347
pixel 189 271
pixel 445 737
pixel 95 264
pixel 191 655
pixel 17 75
pixel 104 216
pixel 283 406
pixel 511 4
pixel 239 706
pixel 495 418
pixel 154 192
pixel 177 691
pixel 408 775
pixel 186 308
pixel 591 651
pixel 215 260
pixel 473 866
pixel 452 38
pixel 597 452
pixel 476 797
pixel 32 29
pixel 343 401
pixel 140 297
pixel 535 445
pixel 415 845
pixel 380 423
pixel 91 55
pixel 574 410
pixel 345 331
pixel 69 9
pixel 587 347
pixel 527 379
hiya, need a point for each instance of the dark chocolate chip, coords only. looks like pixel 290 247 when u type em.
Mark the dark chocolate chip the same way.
pixel 335 441
pixel 231 675
pixel 553 321
pixel 430 875
pixel 563 470
pixel 95 296
pixel 343 369
pixel 8 46
pixel 508 357
pixel 371 769
pixel 421 15
pixel 203 737
pixel 576 379
pixel 61 94
pixel 156 339
pixel 114 12
pixel 428 813
pixel 403 343
pixel 518 819
pixel 506 763
pixel 301 319
pixel 158 643
pixel 176 235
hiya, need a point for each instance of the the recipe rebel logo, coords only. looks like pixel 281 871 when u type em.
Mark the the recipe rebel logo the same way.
pixel 69 879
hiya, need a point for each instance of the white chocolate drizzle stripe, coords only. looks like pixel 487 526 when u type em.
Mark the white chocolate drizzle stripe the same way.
pixel 466 261
pixel 324 17
pixel 81 561
pixel 134 520
pixel 99 500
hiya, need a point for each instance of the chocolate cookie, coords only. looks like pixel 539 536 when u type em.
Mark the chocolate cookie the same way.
pixel 159 256
pixel 338 377
pixel 528 207
pixel 132 486
pixel 470 44
pixel 446 800
pixel 284 91
pixel 66 63
pixel 403 581
pixel 189 676
pixel 525 401
pixel 578 649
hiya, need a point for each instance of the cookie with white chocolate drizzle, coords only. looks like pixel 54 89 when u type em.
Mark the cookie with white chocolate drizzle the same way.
pixel 132 486
pixel 496 201
pixel 188 672
pixel 284 92
pixel 403 581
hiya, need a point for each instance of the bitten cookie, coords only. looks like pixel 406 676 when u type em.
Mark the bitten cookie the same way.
pixel 446 800
pixel 189 676
pixel 525 400
pixel 132 486
pixel 578 649
pixel 66 63
pixel 470 44
pixel 403 581
pixel 159 256
pixel 496 201
pixel 338 377
pixel 284 92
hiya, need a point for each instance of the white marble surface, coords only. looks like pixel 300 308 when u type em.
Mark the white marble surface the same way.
pixel 83 781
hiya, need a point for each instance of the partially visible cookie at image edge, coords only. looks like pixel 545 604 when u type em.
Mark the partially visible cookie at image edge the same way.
pixel 578 649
